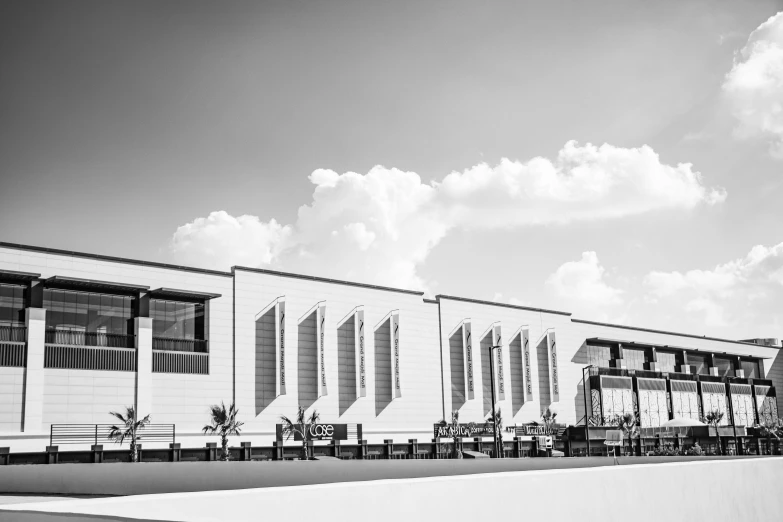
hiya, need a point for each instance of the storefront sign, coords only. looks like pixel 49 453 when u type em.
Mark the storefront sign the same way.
pixel 529 429
pixel 466 343
pixel 319 432
pixel 361 379
pixel 553 366
pixel 498 341
pixel 280 355
pixel 395 325
pixel 321 350
pixel 464 430
pixel 526 359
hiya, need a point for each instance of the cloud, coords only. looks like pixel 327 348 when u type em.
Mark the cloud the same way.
pixel 500 298
pixel 754 86
pixel 381 226
pixel 221 241
pixel 583 282
pixel 745 291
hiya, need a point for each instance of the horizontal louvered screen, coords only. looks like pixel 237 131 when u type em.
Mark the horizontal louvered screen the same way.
pixel 652 384
pixel 12 354
pixel 616 383
pixel 713 387
pixel 764 391
pixel 740 389
pixel 90 358
pixel 180 362
pixel 683 386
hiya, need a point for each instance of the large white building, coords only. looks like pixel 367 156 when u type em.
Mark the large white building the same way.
pixel 82 335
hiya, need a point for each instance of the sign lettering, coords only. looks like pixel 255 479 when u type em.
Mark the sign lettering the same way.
pixel 526 356
pixel 498 341
pixel 464 430
pixel 396 354
pixel 322 349
pixel 281 342
pixel 466 342
pixel 359 329
pixel 553 357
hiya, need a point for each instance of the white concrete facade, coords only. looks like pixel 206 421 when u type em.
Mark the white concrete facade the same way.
pixel 33 398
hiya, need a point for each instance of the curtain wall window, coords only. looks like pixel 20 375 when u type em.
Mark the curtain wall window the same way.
pixel 599 356
pixel 667 362
pixel 74 311
pixel 177 320
pixel 12 305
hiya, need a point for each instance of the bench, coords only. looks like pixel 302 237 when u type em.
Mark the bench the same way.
pixel 373 454
pixel 259 457
pixel 422 453
pixel 399 454
pixel 291 456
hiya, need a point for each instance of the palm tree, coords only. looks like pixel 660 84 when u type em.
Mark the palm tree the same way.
pixel 497 420
pixel 225 423
pixel 713 418
pixel 300 427
pixel 627 423
pixel 549 422
pixel 129 429
pixel 768 428
pixel 455 435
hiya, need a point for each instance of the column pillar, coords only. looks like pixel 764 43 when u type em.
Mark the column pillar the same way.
pixel 142 328
pixel 35 321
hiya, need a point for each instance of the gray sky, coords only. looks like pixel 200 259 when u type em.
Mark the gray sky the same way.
pixel 121 122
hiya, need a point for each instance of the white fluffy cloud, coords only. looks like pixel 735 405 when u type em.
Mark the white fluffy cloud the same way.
pixel 380 226
pixel 583 281
pixel 221 240
pixel 755 85
pixel 746 291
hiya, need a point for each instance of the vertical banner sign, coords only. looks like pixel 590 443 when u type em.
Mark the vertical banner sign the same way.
pixel 395 324
pixel 497 340
pixel 526 359
pixel 553 366
pixel 320 333
pixel 280 345
pixel 361 379
pixel 466 343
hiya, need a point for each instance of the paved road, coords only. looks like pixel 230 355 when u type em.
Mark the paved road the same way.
pixel 171 477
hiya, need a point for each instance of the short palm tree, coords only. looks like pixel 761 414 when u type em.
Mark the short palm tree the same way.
pixel 768 428
pixel 454 425
pixel 713 418
pixel 224 423
pixel 549 422
pixel 627 423
pixel 497 420
pixel 129 429
pixel 300 426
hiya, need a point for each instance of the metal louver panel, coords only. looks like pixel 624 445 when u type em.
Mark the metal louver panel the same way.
pixel 683 386
pixel 616 383
pixel 713 387
pixel 652 384
pixel 740 389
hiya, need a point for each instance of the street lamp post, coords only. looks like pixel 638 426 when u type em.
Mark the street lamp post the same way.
pixel 587 418
pixel 492 381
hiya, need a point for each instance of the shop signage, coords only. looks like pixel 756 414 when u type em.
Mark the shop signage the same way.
pixel 361 384
pixel 321 350
pixel 319 432
pixel 466 343
pixel 498 341
pixel 553 366
pixel 280 316
pixel 529 429
pixel 464 430
pixel 395 324
pixel 526 358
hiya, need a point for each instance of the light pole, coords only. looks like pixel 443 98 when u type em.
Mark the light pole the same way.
pixel 587 418
pixel 492 381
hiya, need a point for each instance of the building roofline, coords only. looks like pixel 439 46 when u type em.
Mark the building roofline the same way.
pixel 679 334
pixel 325 280
pixel 504 305
pixel 114 259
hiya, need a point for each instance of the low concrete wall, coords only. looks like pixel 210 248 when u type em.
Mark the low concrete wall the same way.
pixel 689 491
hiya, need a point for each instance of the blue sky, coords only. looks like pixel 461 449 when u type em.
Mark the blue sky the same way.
pixel 619 160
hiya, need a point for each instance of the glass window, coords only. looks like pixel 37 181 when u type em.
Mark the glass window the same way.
pixel 667 362
pixel 599 356
pixel 751 369
pixel 69 310
pixel 699 362
pixel 12 305
pixel 724 366
pixel 634 358
pixel 177 320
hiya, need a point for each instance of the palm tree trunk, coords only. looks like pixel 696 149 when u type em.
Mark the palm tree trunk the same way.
pixel 224 446
pixel 134 451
